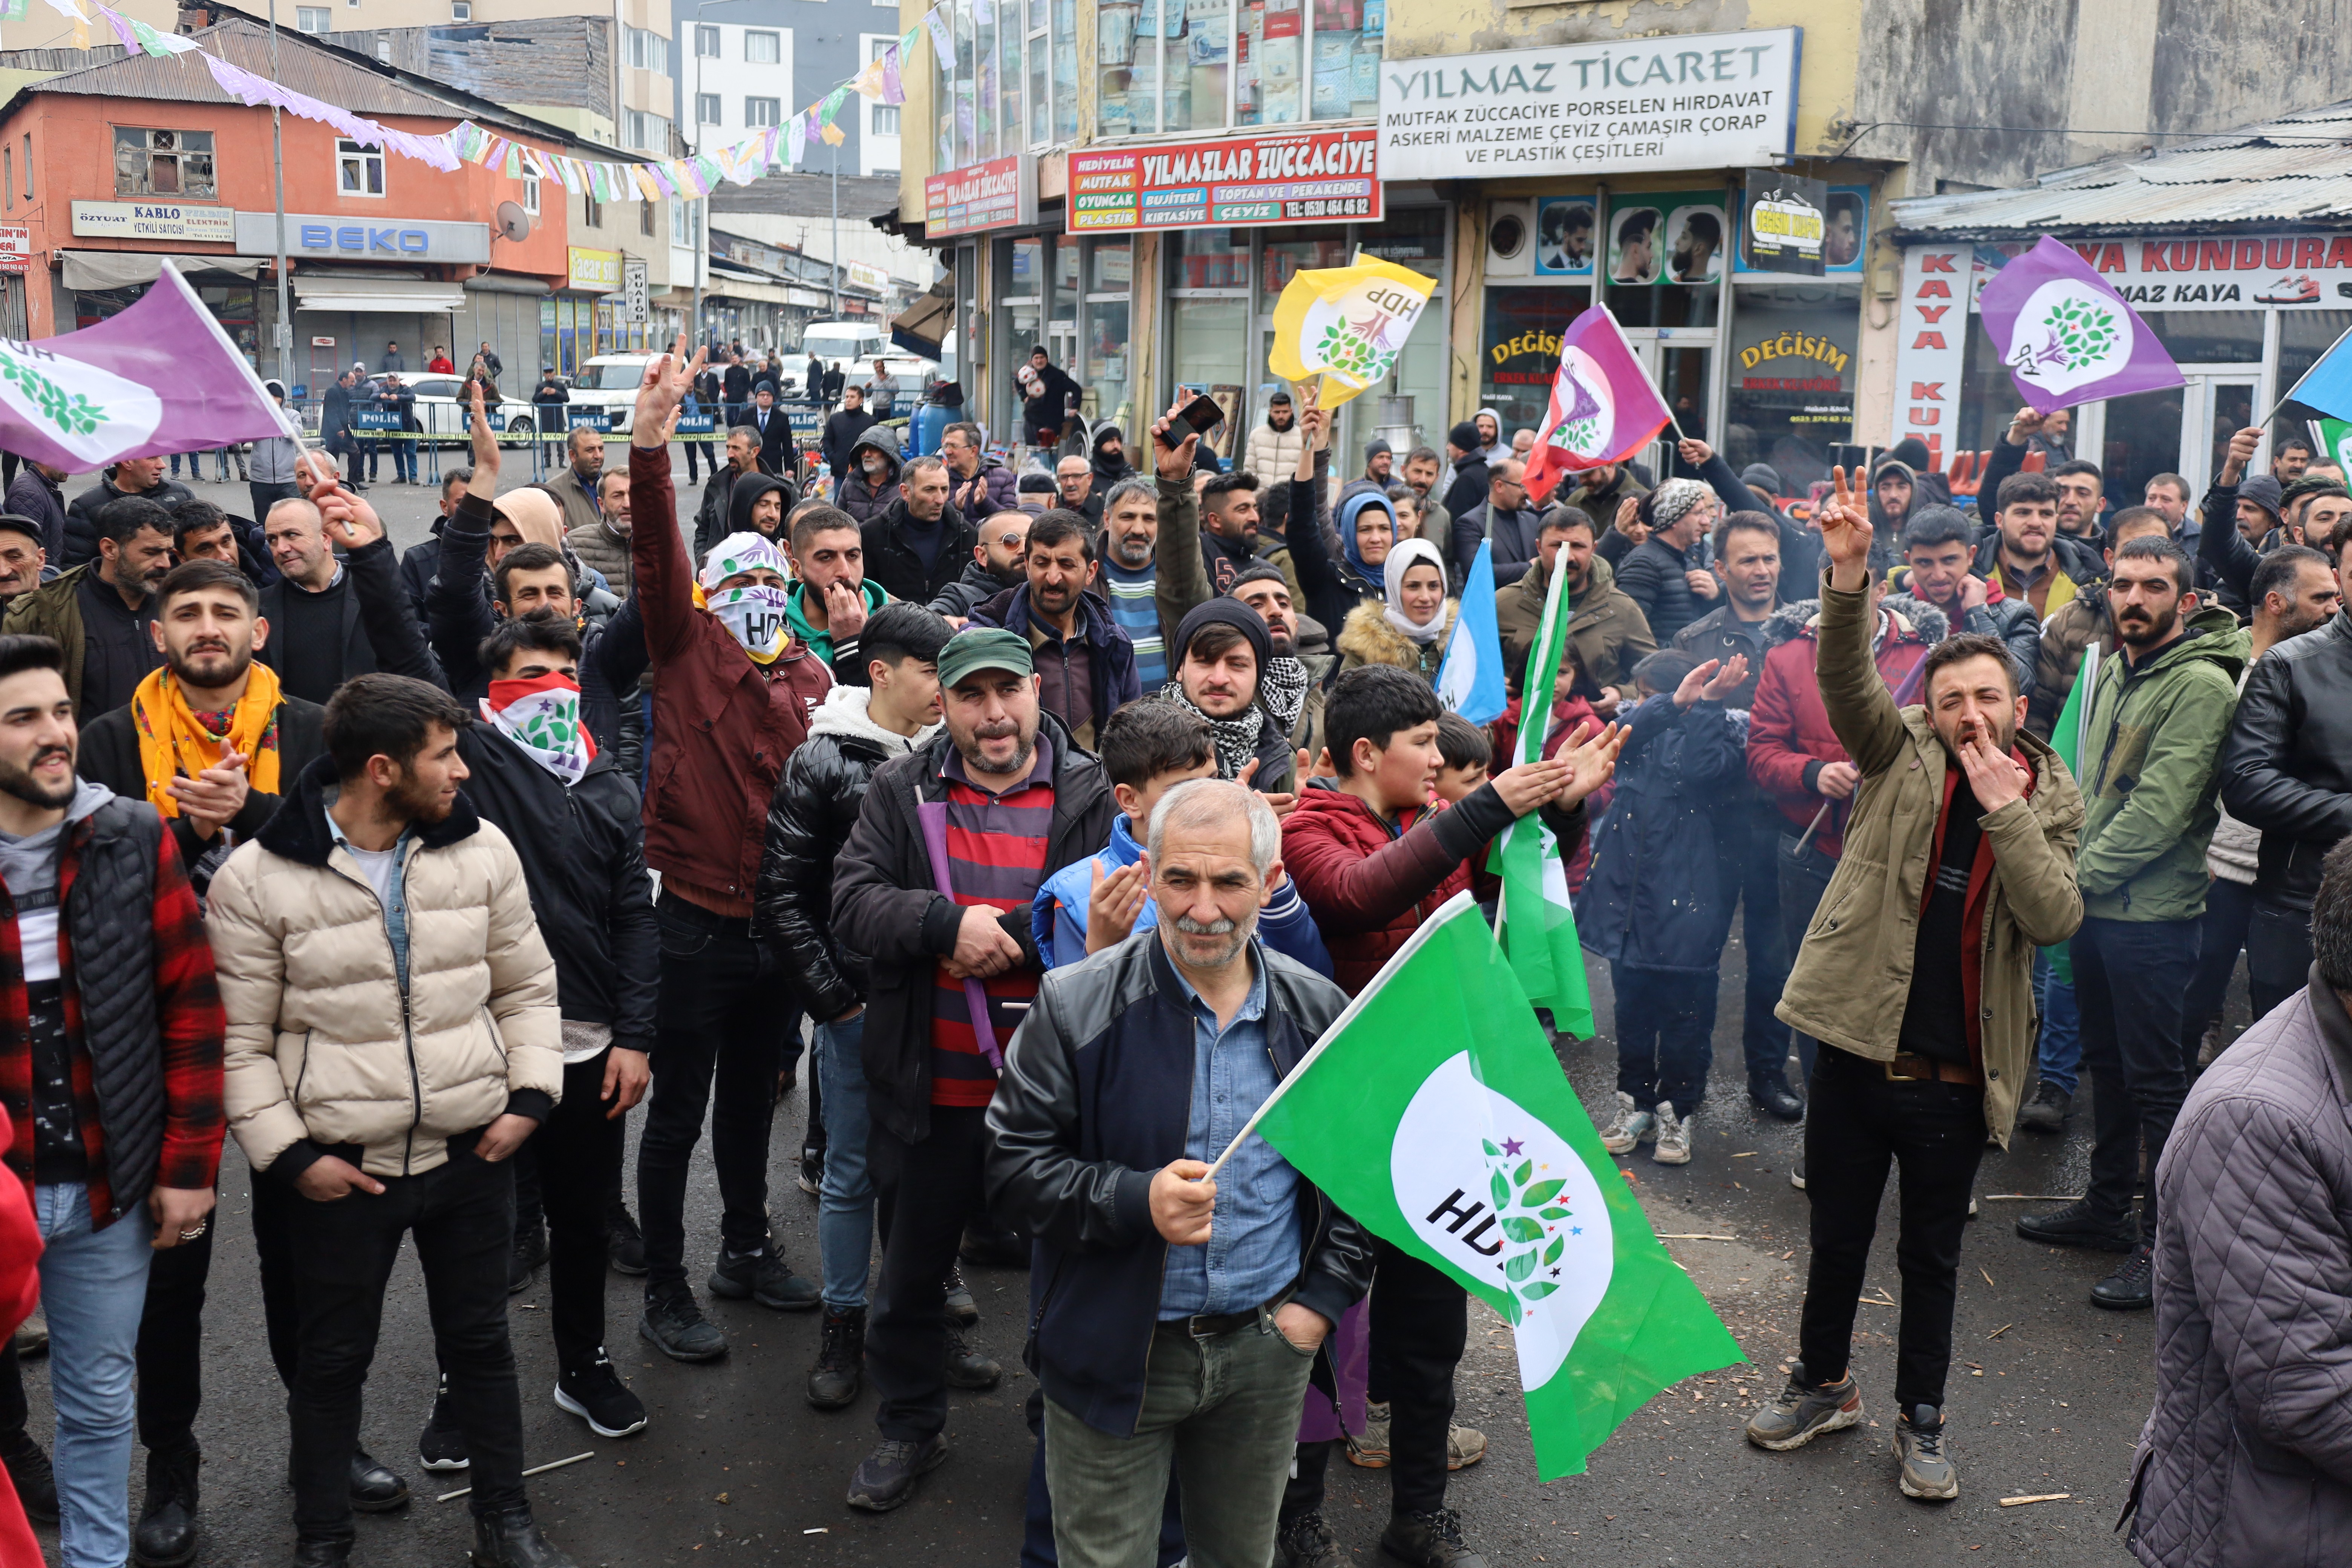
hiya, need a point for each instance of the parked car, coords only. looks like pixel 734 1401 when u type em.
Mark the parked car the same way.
pixel 610 382
pixel 444 418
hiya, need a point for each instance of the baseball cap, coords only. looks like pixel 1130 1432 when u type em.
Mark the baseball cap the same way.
pixel 984 647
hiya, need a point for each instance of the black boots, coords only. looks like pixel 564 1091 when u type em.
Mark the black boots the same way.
pixel 165 1536
pixel 510 1539
pixel 840 1370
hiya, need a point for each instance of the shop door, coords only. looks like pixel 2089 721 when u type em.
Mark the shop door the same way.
pixel 2181 430
pixel 1679 368
pixel 325 365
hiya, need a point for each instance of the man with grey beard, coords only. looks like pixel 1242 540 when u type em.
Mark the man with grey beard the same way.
pixel 1130 530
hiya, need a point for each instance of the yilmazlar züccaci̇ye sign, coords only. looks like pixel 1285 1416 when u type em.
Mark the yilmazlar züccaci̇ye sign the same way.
pixel 1708 100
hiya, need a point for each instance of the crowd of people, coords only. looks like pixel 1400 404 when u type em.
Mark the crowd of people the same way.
pixel 1040 832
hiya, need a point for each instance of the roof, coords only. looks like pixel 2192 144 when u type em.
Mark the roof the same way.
pixel 2296 169
pixel 808 195
pixel 340 77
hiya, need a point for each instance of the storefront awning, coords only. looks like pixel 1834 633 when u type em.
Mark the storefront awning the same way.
pixel 923 326
pixel 92 270
pixel 392 296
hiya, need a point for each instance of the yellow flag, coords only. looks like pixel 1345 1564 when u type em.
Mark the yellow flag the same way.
pixel 835 136
pixel 1344 326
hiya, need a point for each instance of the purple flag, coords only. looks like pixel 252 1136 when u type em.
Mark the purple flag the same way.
pixel 159 378
pixel 2066 336
pixel 893 89
pixel 931 816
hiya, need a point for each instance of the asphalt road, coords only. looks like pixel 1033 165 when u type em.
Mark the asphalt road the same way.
pixel 2048 1395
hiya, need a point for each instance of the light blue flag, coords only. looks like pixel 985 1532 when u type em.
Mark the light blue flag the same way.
pixel 1470 681
pixel 2327 387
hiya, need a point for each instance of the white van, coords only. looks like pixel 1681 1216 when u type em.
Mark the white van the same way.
pixel 611 381
pixel 851 348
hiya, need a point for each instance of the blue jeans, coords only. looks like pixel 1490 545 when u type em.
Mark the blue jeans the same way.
pixel 2061 1049
pixel 844 1226
pixel 1665 1034
pixel 404 460
pixel 93 1290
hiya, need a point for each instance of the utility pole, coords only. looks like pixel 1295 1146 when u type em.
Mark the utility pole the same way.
pixel 277 162
pixel 836 229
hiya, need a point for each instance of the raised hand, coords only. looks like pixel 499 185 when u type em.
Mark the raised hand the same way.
pixel 667 377
pixel 1114 904
pixel 1844 521
pixel 1694 451
pixel 1726 681
pixel 1590 760
pixel 2241 452
pixel 1173 463
pixel 484 484
pixel 1693 684
pixel 1993 777
pixel 2026 423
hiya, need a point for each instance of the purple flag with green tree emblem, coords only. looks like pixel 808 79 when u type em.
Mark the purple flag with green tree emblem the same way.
pixel 2065 335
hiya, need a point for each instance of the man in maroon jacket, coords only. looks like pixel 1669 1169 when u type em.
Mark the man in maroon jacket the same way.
pixel 732 696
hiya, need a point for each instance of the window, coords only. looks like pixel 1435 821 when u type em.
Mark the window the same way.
pixel 461 10
pixel 313 19
pixel 531 195
pixel 886 120
pixel 649 50
pixel 761 48
pixel 646 132
pixel 881 119
pixel 591 212
pixel 384 48
pixel 645 219
pixel 359 171
pixel 29 165
pixel 8 178
pixel 160 163
pixel 706 41
pixel 1216 63
pixel 762 112
pixel 706 109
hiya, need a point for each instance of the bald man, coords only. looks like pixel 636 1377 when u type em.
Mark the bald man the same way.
pixel 331 617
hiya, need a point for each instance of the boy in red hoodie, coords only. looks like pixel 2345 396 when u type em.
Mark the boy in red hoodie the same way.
pixel 1373 859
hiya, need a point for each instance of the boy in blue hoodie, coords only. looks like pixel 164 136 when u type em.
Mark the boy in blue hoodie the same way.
pixel 1148 748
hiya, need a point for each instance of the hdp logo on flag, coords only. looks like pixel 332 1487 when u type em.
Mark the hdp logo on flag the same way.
pixel 2066 336
pixel 1603 408
pixel 1345 325
pixel 1470 681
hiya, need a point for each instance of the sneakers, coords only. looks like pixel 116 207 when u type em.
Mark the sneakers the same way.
pixel 1369 1450
pixel 1772 1094
pixel 529 1252
pixel 1673 1136
pixel 441 1446
pixel 2048 1109
pixel 2076 1226
pixel 1429 1540
pixel 1306 1542
pixel 969 1368
pixel 1464 1446
pixel 165 1536
pixel 29 1472
pixel 510 1539
pixel 962 1310
pixel 1804 1412
pixel 675 1325
pixel 1631 1125
pixel 596 1395
pixel 1797 1173
pixel 625 1244
pixel 2130 1288
pixel 887 1477
pixel 763 1277
pixel 840 1370
pixel 811 1179
pixel 1927 1471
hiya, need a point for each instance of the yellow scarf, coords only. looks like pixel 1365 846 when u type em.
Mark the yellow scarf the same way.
pixel 171 744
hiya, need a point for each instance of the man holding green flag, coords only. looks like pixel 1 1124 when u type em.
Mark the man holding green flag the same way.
pixel 1917 978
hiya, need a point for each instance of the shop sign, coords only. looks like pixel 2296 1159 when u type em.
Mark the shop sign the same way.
pixel 1280 177
pixel 1931 338
pixel 15 249
pixel 1701 101
pixel 1845 224
pixel 635 303
pixel 155 220
pixel 1793 371
pixel 864 275
pixel 1787 218
pixel 596 272
pixel 999 194
pixel 2224 272
pixel 336 237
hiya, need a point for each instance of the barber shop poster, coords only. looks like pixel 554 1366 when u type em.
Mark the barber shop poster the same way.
pixel 1673 237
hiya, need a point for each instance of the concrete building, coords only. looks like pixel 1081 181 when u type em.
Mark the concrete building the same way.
pixel 748 64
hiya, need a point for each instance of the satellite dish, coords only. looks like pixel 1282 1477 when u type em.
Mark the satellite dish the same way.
pixel 513 222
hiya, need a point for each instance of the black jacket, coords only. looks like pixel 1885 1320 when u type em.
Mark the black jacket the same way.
pixel 711 518
pixel 890 921
pixel 583 849
pixel 36 496
pixel 108 755
pixel 380 633
pixel 892 561
pixel 1056 392
pixel 1095 1099
pixel 1514 533
pixel 2079 562
pixel 82 518
pixel 841 434
pixel 2225 562
pixel 1652 576
pixel 809 818
pixel 417 564
pixel 2286 767
pixel 779 454
pixel 736 386
pixel 968 592
pixel 1470 487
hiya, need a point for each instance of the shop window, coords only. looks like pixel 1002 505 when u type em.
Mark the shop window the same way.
pixel 1666 257
pixel 761 48
pixel 359 170
pixel 1108 375
pixel 1794 349
pixel 163 163
pixel 1209 259
pixel 1518 349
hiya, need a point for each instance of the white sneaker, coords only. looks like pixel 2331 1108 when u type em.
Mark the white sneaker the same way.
pixel 1673 1135
pixel 1624 1134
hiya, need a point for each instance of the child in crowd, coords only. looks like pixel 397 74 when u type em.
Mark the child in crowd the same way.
pixel 1655 907
pixel 1148 748
pixel 1465 755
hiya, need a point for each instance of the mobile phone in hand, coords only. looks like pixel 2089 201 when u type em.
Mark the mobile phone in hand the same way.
pixel 1197 417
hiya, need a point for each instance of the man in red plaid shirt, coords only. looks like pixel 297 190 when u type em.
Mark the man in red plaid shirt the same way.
pixel 111 1031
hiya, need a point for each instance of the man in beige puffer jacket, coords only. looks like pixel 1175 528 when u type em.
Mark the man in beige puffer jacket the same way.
pixel 392 1037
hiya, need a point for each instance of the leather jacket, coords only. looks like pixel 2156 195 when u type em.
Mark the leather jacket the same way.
pixel 2286 767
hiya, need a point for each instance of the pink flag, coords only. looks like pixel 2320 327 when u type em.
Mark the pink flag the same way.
pixel 1603 408
pixel 893 89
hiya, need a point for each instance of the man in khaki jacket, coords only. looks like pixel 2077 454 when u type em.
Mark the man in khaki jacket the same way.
pixel 1917 978
pixel 392 1037
pixel 1607 629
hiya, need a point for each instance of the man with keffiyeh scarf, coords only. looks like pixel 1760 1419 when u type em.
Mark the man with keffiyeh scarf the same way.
pixel 1221 656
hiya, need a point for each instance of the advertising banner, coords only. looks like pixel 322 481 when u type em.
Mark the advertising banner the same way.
pixel 155 220
pixel 1281 177
pixel 2224 272
pixel 1787 219
pixel 999 194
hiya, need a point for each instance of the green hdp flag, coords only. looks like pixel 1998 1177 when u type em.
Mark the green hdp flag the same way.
pixel 1535 922
pixel 2066 740
pixel 2334 438
pixel 1434 1112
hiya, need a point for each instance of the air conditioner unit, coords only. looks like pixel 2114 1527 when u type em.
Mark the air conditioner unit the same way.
pixel 1511 239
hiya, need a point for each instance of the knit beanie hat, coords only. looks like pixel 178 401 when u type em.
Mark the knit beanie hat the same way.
pixel 1675 498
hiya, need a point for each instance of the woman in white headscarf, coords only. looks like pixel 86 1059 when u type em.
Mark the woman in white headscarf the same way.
pixel 1409 628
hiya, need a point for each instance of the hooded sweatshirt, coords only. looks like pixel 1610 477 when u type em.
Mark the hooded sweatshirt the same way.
pixel 866 498
pixel 750 488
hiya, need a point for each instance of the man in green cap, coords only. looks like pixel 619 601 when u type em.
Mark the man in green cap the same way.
pixel 934 886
